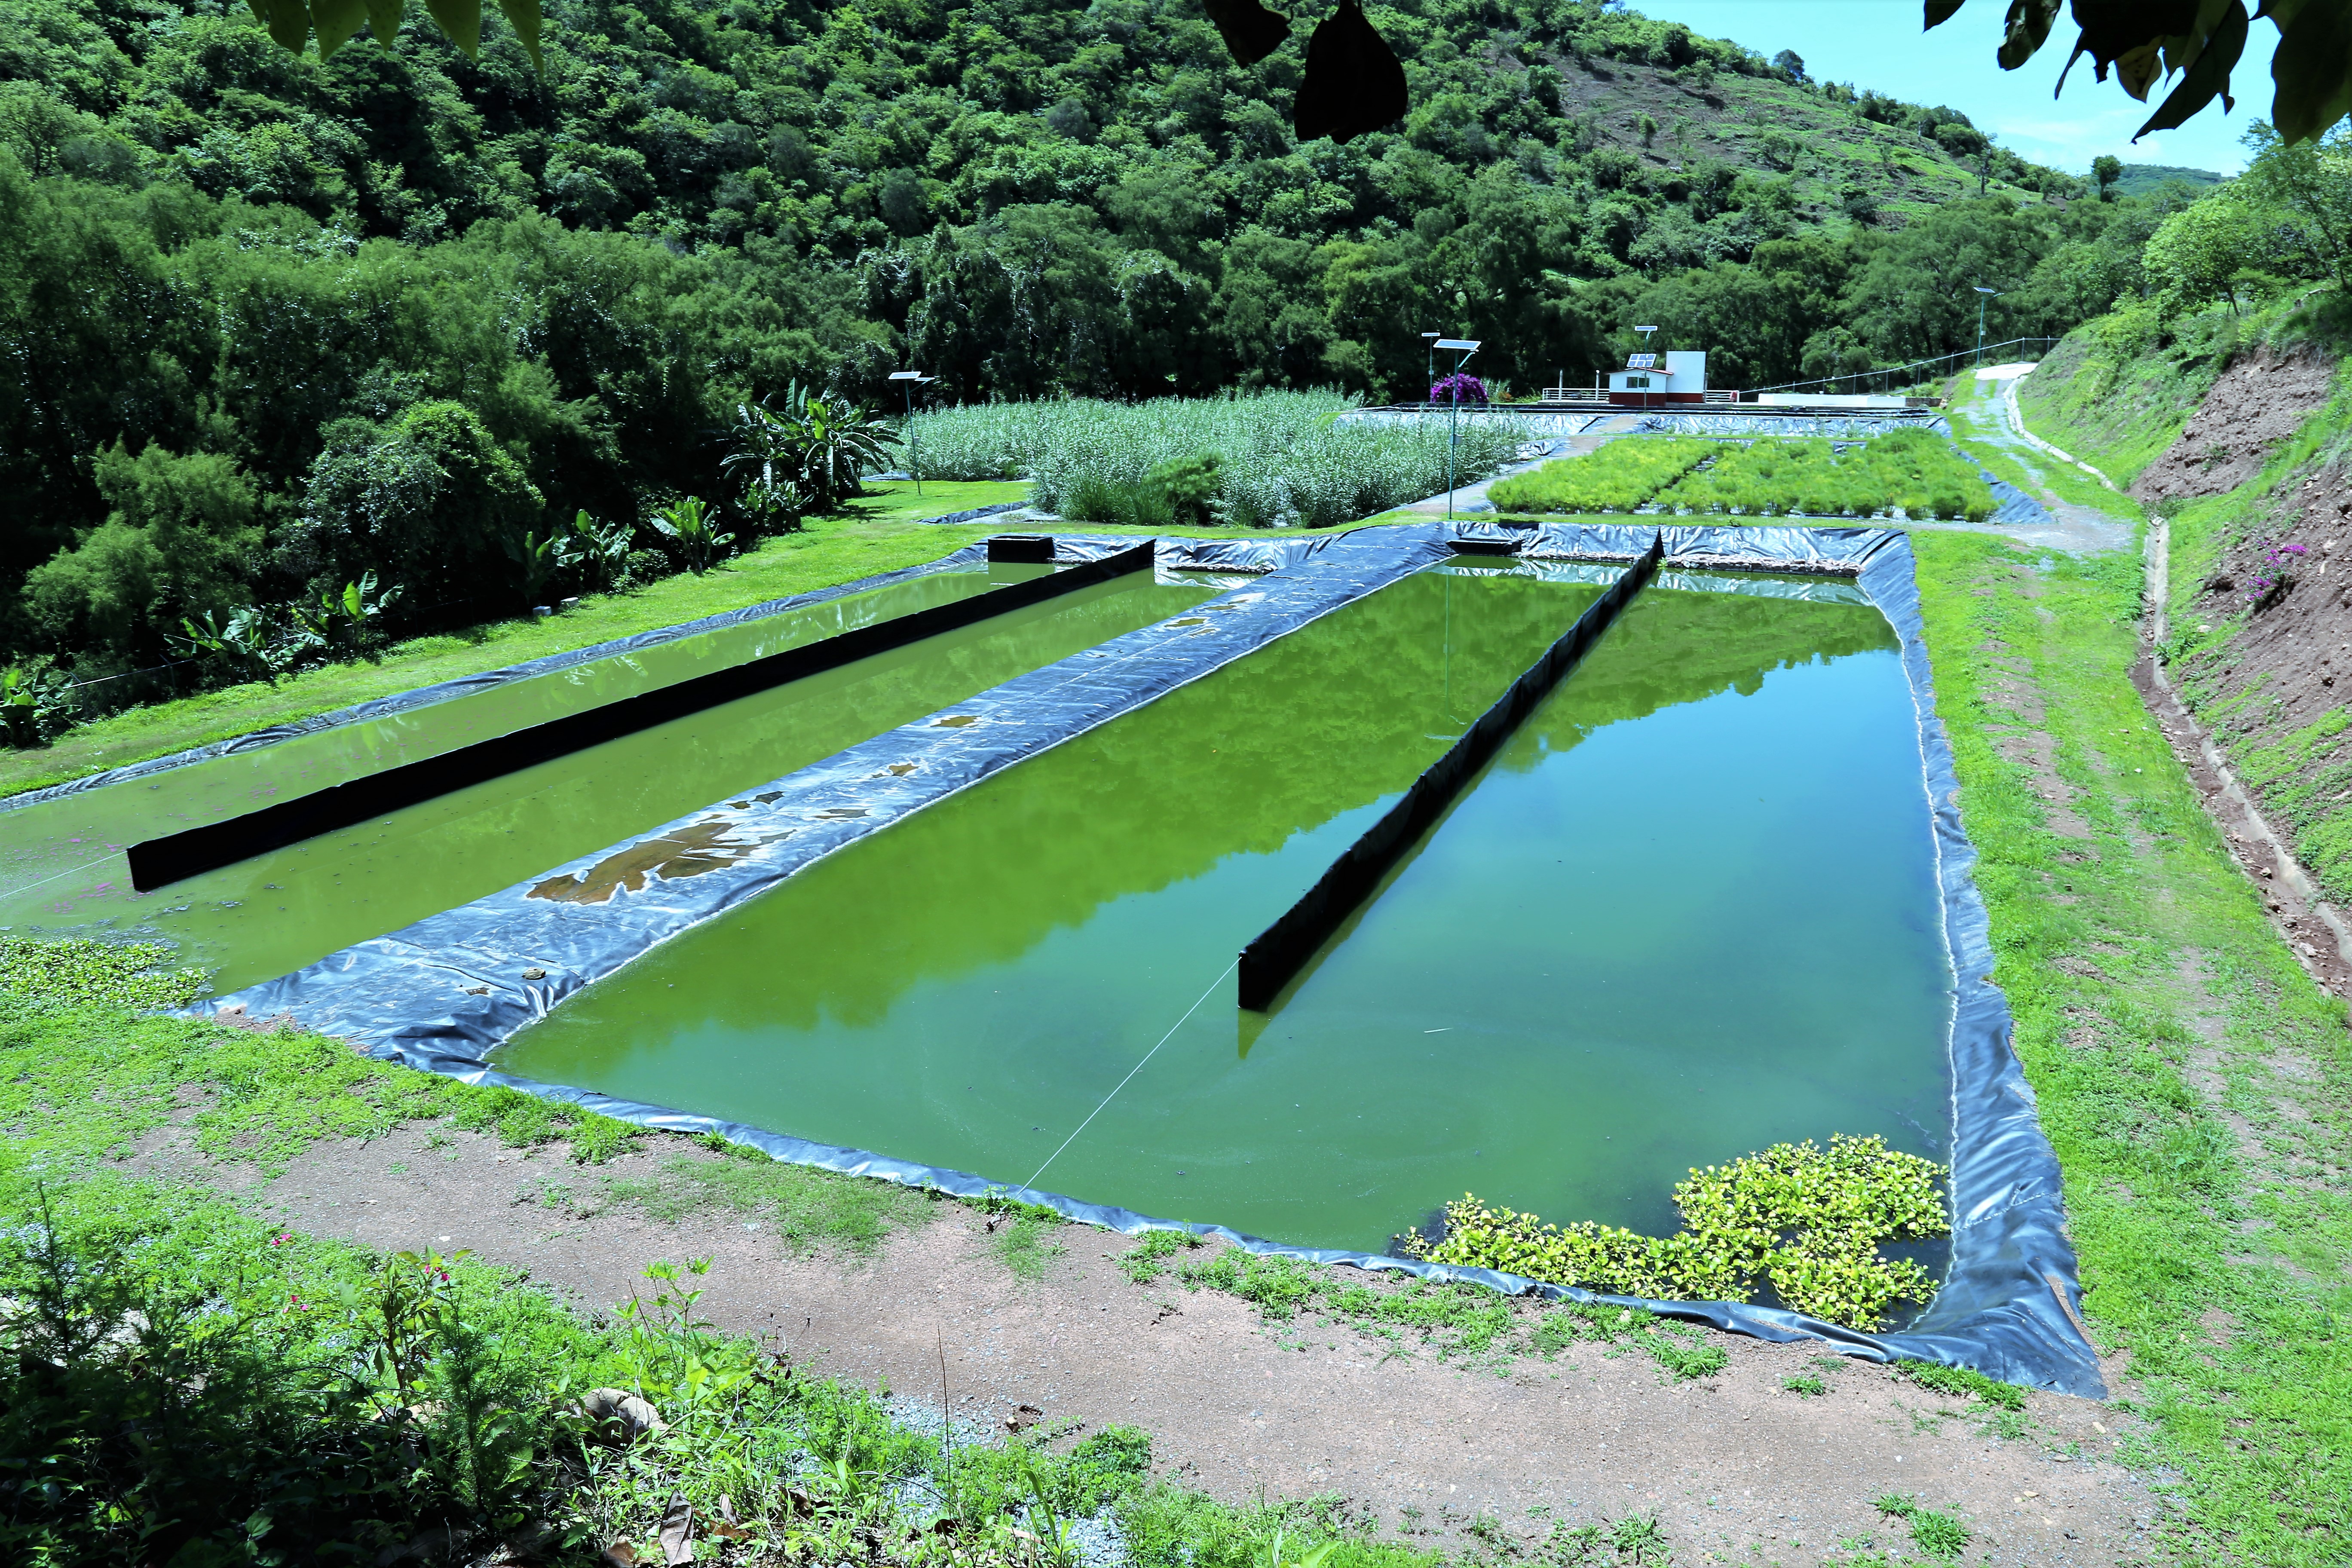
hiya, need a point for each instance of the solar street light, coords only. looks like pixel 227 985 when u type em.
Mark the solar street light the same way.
pixel 913 379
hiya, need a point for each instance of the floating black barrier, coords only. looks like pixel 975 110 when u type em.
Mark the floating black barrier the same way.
pixel 158 862
pixel 1278 952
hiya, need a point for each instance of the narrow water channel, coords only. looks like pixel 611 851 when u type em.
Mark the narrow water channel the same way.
pixel 1690 911
pixel 62 871
pixel 963 988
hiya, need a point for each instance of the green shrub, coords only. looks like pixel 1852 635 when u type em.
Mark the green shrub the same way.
pixel 1620 476
pixel 1915 470
pixel 1806 1219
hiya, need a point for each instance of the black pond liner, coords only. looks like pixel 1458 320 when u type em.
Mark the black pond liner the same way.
pixel 2009 1306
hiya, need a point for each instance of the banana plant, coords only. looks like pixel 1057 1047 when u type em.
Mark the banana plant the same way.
pixel 694 526
pixel 542 557
pixel 605 546
pixel 341 617
pixel 34 708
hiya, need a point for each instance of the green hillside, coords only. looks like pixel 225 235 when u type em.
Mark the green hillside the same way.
pixel 283 319
pixel 2147 179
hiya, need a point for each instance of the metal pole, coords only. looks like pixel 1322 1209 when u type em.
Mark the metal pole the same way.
pixel 1453 441
pixel 914 443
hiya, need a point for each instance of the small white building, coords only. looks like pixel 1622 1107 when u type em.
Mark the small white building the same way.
pixel 1677 375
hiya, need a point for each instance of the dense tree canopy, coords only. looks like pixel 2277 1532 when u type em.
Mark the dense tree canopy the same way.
pixel 330 305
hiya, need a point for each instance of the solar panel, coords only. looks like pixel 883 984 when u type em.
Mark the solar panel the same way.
pixel 1642 362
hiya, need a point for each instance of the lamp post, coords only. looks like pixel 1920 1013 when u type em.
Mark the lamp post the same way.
pixel 912 379
pixel 1983 294
pixel 1431 339
pixel 1466 347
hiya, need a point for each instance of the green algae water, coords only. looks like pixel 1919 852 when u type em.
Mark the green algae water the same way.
pixel 1690 911
pixel 275 913
pixel 963 987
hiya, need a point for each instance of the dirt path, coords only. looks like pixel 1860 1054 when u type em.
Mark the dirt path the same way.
pixel 1733 1465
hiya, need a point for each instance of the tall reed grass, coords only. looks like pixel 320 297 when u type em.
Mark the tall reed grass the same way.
pixel 1275 459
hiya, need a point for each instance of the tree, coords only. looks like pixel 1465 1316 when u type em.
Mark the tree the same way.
pixel 2107 169
pixel 180 536
pixel 2197 251
pixel 2311 182
pixel 1790 64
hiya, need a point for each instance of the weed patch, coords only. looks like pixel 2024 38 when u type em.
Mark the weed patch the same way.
pixel 1939 1535
pixel 806 1207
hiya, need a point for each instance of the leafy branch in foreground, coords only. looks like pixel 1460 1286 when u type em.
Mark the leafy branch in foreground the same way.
pixel 2201 42
pixel 291 22
pixel 1808 1220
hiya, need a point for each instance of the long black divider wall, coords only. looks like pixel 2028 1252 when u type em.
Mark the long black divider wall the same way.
pixel 158 862
pixel 1279 951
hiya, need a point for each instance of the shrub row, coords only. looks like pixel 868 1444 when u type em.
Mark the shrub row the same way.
pixel 1620 476
pixel 1805 1220
pixel 1913 470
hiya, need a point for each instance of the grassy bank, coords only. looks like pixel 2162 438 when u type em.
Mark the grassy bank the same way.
pixel 182 1376
pixel 2193 1079
pixel 882 533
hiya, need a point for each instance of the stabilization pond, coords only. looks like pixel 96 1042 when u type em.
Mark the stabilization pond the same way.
pixel 1691 911
pixel 61 863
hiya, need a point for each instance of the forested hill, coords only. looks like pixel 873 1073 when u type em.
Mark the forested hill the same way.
pixel 323 290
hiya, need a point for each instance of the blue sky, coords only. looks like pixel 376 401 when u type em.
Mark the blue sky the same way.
pixel 1878 44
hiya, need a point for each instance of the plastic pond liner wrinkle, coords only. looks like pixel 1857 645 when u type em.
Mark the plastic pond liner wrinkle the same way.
pixel 173 857
pixel 276 911
pixel 442 993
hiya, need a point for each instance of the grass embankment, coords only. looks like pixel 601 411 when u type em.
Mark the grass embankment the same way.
pixel 2299 770
pixel 2196 1084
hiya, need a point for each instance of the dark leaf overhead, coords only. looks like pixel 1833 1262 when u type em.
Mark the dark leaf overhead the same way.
pixel 1353 85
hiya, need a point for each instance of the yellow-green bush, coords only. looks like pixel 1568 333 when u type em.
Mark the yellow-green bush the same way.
pixel 1620 476
pixel 1806 1219
pixel 1915 470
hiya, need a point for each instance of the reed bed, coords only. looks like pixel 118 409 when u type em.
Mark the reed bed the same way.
pixel 1276 459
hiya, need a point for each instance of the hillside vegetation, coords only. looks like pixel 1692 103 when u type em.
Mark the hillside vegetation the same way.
pixel 282 322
